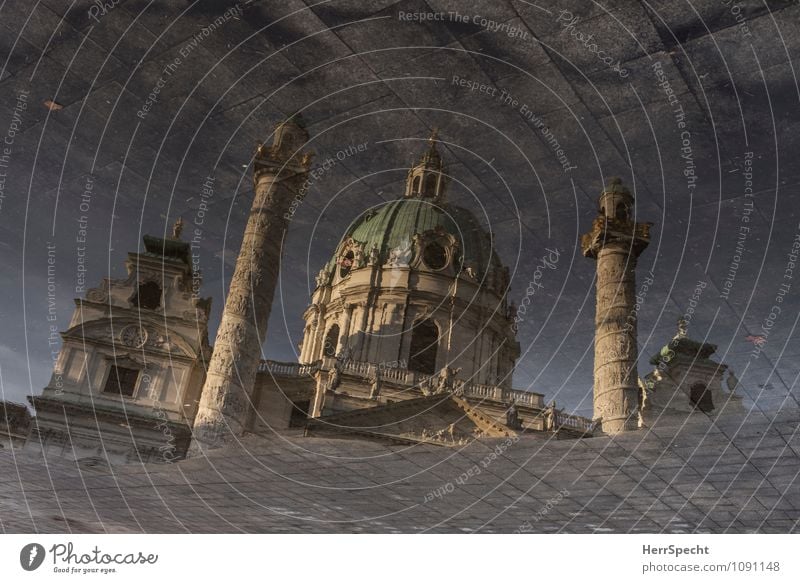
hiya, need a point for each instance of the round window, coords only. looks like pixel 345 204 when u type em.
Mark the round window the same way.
pixel 434 255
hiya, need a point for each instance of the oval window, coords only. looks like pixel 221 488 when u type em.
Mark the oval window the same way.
pixel 434 256
pixel 346 263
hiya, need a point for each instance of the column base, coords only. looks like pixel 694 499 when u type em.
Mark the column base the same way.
pixel 212 434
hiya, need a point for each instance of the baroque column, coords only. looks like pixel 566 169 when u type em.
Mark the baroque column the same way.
pixel 279 177
pixel 616 241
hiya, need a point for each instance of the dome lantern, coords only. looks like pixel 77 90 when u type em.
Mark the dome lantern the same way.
pixel 426 179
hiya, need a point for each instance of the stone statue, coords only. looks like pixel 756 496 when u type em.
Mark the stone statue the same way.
pixel 374 256
pixel 550 417
pixel 322 277
pixel 375 385
pixel 445 382
pixel 512 416
pixel 445 433
pixel 358 256
pixel 427 387
pixel 441 382
pixel 400 256
pixel 335 377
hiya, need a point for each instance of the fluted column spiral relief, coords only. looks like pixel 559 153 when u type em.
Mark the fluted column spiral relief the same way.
pixel 616 241
pixel 280 171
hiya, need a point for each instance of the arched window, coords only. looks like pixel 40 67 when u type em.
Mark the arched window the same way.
pixel 701 397
pixel 331 341
pixel 121 381
pixel 622 212
pixel 415 185
pixel 424 345
pixel 148 296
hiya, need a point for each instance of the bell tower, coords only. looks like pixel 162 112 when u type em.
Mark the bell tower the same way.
pixel 616 241
pixel 279 174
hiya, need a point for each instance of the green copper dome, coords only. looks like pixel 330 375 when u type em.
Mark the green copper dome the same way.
pixel 394 225
pixel 448 238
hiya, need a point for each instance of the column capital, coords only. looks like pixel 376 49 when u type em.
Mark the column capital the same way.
pixel 606 233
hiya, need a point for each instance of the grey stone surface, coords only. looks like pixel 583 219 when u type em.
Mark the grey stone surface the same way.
pixel 732 475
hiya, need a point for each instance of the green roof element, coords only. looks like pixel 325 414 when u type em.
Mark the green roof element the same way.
pixel 685 346
pixel 396 222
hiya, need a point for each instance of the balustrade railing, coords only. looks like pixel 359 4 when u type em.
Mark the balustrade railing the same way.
pixel 395 374
pixel 288 369
pixel 525 398
pixel 405 377
pixel 573 421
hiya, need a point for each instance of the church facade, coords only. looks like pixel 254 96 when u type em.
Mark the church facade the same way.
pixel 409 336
pixel 128 376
